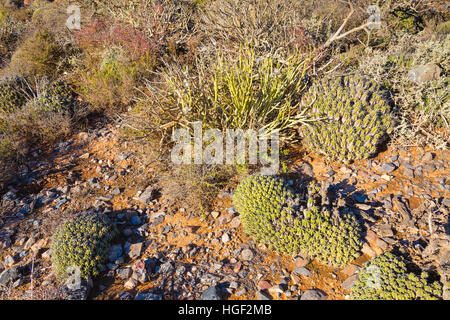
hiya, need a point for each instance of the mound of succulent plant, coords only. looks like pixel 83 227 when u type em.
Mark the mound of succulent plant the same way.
pixel 13 93
pixel 386 278
pixel 349 117
pixel 274 215
pixel 82 242
pixel 57 97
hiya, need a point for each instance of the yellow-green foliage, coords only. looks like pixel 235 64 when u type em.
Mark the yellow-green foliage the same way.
pixel 386 278
pixel 271 214
pixel 58 96
pixel 247 92
pixel 406 20
pixel 13 93
pixel 39 55
pixel 350 117
pixel 82 242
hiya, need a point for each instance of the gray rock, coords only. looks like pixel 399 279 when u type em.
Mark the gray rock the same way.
pixel 424 73
pixel 166 268
pixel 115 252
pixel 409 173
pixel 124 273
pixel 302 271
pixel 313 294
pixel 225 238
pixel 116 191
pixel 212 293
pixel 76 293
pixel 147 196
pixel 135 250
pixel 307 168
pixel 263 295
pixel 428 157
pixel 247 254
pixel 9 275
pixel 135 220
pixel 387 167
pixel 148 296
pixel 348 283
pixel 125 296
pixel 9 260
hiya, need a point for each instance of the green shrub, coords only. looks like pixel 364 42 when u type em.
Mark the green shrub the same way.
pixel 14 92
pixel 271 214
pixel 10 32
pixel 386 278
pixel 349 116
pixel 406 20
pixel 247 92
pixel 38 55
pixel 59 96
pixel 83 242
pixel 421 107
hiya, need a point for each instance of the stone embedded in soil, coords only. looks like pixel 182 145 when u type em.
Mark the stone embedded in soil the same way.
pixel 263 295
pixel 235 222
pixel 140 275
pixel 147 195
pixel 366 249
pixel 264 285
pixel 115 252
pixel 247 255
pixel 148 296
pixel 387 167
pixel 301 261
pixel 428 157
pixel 302 271
pixel 384 230
pixel 307 169
pixel 276 289
pixel 9 275
pixel 124 273
pixel 314 294
pixel 381 244
pixel 212 293
pixel 215 214
pixel 225 238
pixel 409 173
pixel 135 250
pixel 348 283
pixel 130 284
pixel 9 260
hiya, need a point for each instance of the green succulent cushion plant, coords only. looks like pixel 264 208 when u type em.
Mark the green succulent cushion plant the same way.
pixel 13 93
pixel 82 242
pixel 386 278
pixel 272 214
pixel 349 117
pixel 57 97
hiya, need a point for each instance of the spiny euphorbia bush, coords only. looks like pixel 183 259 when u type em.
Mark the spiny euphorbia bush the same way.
pixel 57 97
pixel 13 93
pixel 273 214
pixel 350 118
pixel 82 242
pixel 386 278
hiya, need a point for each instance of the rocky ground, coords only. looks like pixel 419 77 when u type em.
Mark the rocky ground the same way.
pixel 169 251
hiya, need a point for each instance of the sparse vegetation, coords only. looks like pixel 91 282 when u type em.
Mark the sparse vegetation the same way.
pixel 386 278
pixel 335 84
pixel 274 215
pixel 82 242
pixel 350 117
